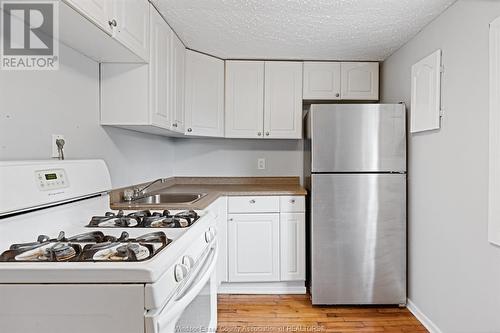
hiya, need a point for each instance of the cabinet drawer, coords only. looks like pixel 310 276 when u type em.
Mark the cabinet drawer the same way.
pixel 292 204
pixel 256 204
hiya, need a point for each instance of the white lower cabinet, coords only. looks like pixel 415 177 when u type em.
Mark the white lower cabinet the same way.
pixel 292 246
pixel 253 249
pixel 265 245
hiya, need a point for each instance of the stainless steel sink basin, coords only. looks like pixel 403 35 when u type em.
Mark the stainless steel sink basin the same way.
pixel 171 198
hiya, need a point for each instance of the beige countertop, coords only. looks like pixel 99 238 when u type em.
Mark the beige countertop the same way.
pixel 214 187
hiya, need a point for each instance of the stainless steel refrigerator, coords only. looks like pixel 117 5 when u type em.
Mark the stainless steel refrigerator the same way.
pixel 355 165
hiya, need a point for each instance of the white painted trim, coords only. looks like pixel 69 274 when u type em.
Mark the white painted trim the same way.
pixel 259 288
pixel 431 327
pixel 494 136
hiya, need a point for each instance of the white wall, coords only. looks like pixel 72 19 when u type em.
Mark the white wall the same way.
pixel 237 157
pixel 454 273
pixel 36 104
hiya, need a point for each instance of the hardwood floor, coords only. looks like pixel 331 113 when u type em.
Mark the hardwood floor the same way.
pixel 294 313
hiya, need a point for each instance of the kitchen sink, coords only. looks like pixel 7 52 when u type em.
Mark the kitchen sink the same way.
pixel 171 198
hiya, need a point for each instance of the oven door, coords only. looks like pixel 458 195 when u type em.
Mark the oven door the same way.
pixel 194 307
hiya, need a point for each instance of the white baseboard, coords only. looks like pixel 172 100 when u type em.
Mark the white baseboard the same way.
pixel 431 327
pixel 259 288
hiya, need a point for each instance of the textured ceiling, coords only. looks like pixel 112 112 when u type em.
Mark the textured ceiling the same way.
pixel 299 29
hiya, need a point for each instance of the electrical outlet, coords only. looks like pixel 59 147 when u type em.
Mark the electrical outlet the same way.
pixel 55 151
pixel 261 163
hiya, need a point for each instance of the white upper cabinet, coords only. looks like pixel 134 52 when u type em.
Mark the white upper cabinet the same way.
pixel 360 80
pixel 244 99
pixel 283 100
pixel 204 95
pixel 130 25
pixel 97 11
pixel 91 27
pixel 321 81
pixel 160 71
pixel 178 68
pixel 341 81
pixel 147 97
pixel 264 99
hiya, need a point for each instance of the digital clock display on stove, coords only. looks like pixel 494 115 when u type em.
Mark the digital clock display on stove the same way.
pixel 50 176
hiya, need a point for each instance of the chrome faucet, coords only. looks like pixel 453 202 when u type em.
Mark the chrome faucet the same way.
pixel 139 192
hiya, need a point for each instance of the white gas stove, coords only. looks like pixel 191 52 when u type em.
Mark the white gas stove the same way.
pixel 67 261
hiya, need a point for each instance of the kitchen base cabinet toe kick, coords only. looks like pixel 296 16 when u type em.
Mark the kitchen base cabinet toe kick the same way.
pixel 265 251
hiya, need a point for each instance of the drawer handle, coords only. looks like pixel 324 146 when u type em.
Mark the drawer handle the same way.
pixel 292 201
pixel 252 201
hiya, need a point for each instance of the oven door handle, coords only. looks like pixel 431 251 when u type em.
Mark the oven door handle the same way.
pixel 173 309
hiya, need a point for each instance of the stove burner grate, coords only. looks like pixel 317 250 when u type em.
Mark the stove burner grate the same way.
pixel 144 219
pixel 92 246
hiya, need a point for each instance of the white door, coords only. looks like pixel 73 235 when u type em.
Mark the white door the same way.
pixel 283 100
pixel 426 93
pixel 97 11
pixel 160 71
pixel 253 247
pixel 132 25
pixel 178 68
pixel 244 99
pixel 293 246
pixel 321 80
pixel 204 95
pixel 360 80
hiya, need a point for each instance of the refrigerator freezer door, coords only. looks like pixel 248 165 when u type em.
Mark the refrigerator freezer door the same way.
pixel 358 138
pixel 358 233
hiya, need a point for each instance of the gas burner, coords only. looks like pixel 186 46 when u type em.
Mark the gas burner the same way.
pixel 144 219
pixel 96 247
pixel 110 220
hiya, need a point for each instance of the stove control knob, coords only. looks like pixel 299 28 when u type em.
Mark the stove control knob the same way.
pixel 180 272
pixel 188 261
pixel 209 236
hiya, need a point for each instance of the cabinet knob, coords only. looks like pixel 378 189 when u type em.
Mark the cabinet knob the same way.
pixel 112 23
pixel 292 201
pixel 174 124
pixel 189 130
pixel 259 134
pixel 252 201
pixel 231 219
pixel 337 95
pixel 267 133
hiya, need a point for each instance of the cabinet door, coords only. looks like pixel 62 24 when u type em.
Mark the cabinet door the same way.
pixel 160 81
pixel 132 25
pixel 283 100
pixel 293 246
pixel 204 95
pixel 220 209
pixel 178 68
pixel 244 99
pixel 253 249
pixel 360 80
pixel 321 80
pixel 97 11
